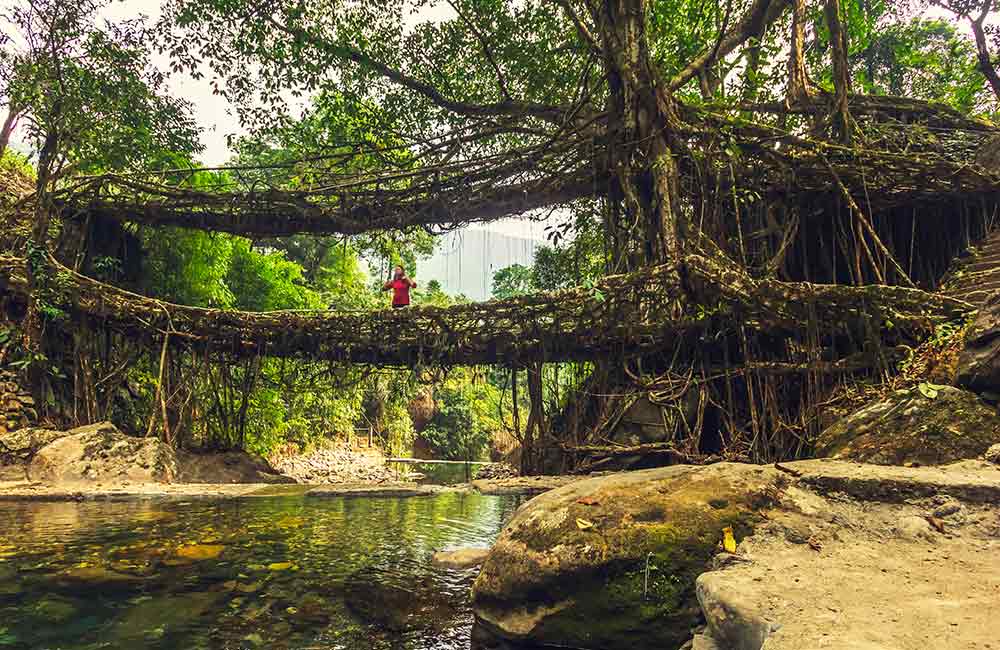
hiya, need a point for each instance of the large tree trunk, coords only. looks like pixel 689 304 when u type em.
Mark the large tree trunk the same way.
pixel 983 50
pixel 841 71
pixel 798 91
pixel 643 119
pixel 7 128
pixel 38 263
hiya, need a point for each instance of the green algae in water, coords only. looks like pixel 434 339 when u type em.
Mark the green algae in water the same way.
pixel 115 575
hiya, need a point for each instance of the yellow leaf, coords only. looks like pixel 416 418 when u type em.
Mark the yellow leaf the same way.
pixel 728 541
pixel 583 524
pixel 200 551
pixel 928 390
pixel 279 566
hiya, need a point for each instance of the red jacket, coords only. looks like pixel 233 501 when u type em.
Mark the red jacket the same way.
pixel 401 290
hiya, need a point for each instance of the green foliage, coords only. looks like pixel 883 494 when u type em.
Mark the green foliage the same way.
pixel 325 46
pixel 90 88
pixel 12 162
pixel 513 280
pixel 458 430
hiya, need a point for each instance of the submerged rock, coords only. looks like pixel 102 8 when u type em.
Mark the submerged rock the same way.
pixel 55 610
pixel 97 578
pixel 611 562
pixel 200 552
pixel 935 426
pixel 377 600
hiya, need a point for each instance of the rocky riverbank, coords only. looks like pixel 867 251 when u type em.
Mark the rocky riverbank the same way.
pixel 101 454
pixel 336 465
pixel 764 557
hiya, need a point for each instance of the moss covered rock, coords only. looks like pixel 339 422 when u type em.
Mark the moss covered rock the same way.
pixel 611 562
pixel 932 426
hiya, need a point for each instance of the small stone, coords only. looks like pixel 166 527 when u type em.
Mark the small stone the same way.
pixel 992 454
pixel 704 642
pixel 55 611
pixel 914 528
pixel 948 508
pixel 797 534
pixel 463 558
pixel 200 551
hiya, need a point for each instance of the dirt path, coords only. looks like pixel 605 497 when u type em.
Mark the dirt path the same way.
pixel 839 571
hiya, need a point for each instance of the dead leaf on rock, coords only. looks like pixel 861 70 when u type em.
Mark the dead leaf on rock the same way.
pixel 935 522
pixel 588 501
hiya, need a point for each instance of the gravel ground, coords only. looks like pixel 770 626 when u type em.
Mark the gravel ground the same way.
pixel 337 465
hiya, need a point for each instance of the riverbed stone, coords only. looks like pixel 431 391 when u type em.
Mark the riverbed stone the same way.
pixel 226 467
pixel 377 599
pixel 571 567
pixel 992 454
pixel 462 558
pixel 393 489
pixel 97 578
pixel 523 485
pixel 54 610
pixel 932 425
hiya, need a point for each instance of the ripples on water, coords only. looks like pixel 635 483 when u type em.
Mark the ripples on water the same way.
pixel 276 573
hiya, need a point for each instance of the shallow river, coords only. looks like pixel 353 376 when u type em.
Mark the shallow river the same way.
pixel 282 572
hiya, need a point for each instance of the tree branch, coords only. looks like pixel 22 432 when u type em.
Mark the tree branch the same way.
pixel 761 13
pixel 554 114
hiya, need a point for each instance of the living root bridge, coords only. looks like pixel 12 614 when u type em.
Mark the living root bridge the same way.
pixel 902 165
pixel 622 315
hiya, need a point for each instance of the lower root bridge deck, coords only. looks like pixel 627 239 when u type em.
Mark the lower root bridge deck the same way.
pixel 655 309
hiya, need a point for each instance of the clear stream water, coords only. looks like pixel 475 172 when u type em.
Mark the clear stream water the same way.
pixel 276 572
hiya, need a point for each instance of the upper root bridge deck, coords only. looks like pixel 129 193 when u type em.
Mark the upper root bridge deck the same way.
pixel 900 165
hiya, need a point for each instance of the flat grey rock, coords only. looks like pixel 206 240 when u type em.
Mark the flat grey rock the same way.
pixel 523 484
pixel 401 489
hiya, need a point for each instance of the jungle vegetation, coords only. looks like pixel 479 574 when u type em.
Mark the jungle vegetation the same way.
pixel 326 89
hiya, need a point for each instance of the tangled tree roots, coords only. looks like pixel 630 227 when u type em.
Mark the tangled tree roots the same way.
pixel 627 315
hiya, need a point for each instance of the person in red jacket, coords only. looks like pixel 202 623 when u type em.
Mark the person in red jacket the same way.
pixel 400 285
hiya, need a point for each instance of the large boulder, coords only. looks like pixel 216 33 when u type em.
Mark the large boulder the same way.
pixel 21 446
pixel 102 452
pixel 611 562
pixel 979 362
pixel 924 425
pixel 226 467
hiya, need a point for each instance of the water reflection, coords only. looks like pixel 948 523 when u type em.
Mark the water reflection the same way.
pixel 278 573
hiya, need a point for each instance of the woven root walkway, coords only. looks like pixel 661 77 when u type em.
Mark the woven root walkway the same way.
pixel 659 308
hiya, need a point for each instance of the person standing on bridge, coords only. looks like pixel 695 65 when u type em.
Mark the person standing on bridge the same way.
pixel 400 285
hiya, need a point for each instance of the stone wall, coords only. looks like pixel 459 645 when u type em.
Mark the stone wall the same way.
pixel 17 407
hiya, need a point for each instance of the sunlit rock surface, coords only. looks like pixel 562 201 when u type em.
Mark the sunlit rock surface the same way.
pixel 610 562
pixel 932 425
